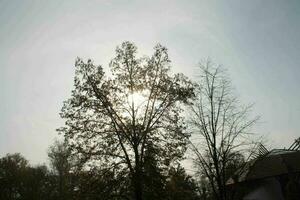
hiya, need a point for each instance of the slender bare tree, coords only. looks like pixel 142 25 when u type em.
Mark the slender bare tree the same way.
pixel 220 125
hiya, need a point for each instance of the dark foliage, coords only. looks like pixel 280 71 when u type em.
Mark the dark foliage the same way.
pixel 20 181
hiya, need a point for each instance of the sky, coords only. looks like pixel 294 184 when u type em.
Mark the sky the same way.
pixel 257 41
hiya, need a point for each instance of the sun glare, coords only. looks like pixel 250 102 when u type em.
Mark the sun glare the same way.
pixel 137 98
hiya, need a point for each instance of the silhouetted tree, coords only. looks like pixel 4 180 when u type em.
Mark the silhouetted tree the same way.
pixel 222 125
pixel 34 185
pixel 154 176
pixel 18 180
pixel 235 163
pixel 97 184
pixel 181 186
pixel 12 171
pixel 111 120
pixel 204 188
pixel 60 162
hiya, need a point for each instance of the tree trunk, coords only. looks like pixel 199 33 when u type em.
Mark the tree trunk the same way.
pixel 137 185
pixel 137 176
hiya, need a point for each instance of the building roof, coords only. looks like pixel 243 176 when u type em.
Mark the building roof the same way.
pixel 274 163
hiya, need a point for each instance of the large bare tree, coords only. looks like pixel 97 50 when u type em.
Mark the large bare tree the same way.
pixel 114 120
pixel 220 126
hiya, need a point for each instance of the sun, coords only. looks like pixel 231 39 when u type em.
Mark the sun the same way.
pixel 137 99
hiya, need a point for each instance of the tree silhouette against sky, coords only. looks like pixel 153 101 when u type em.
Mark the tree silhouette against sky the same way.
pixel 113 120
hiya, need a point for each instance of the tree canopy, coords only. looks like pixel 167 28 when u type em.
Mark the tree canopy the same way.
pixel 113 120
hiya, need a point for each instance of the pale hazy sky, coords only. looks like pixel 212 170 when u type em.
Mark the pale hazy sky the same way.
pixel 257 41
